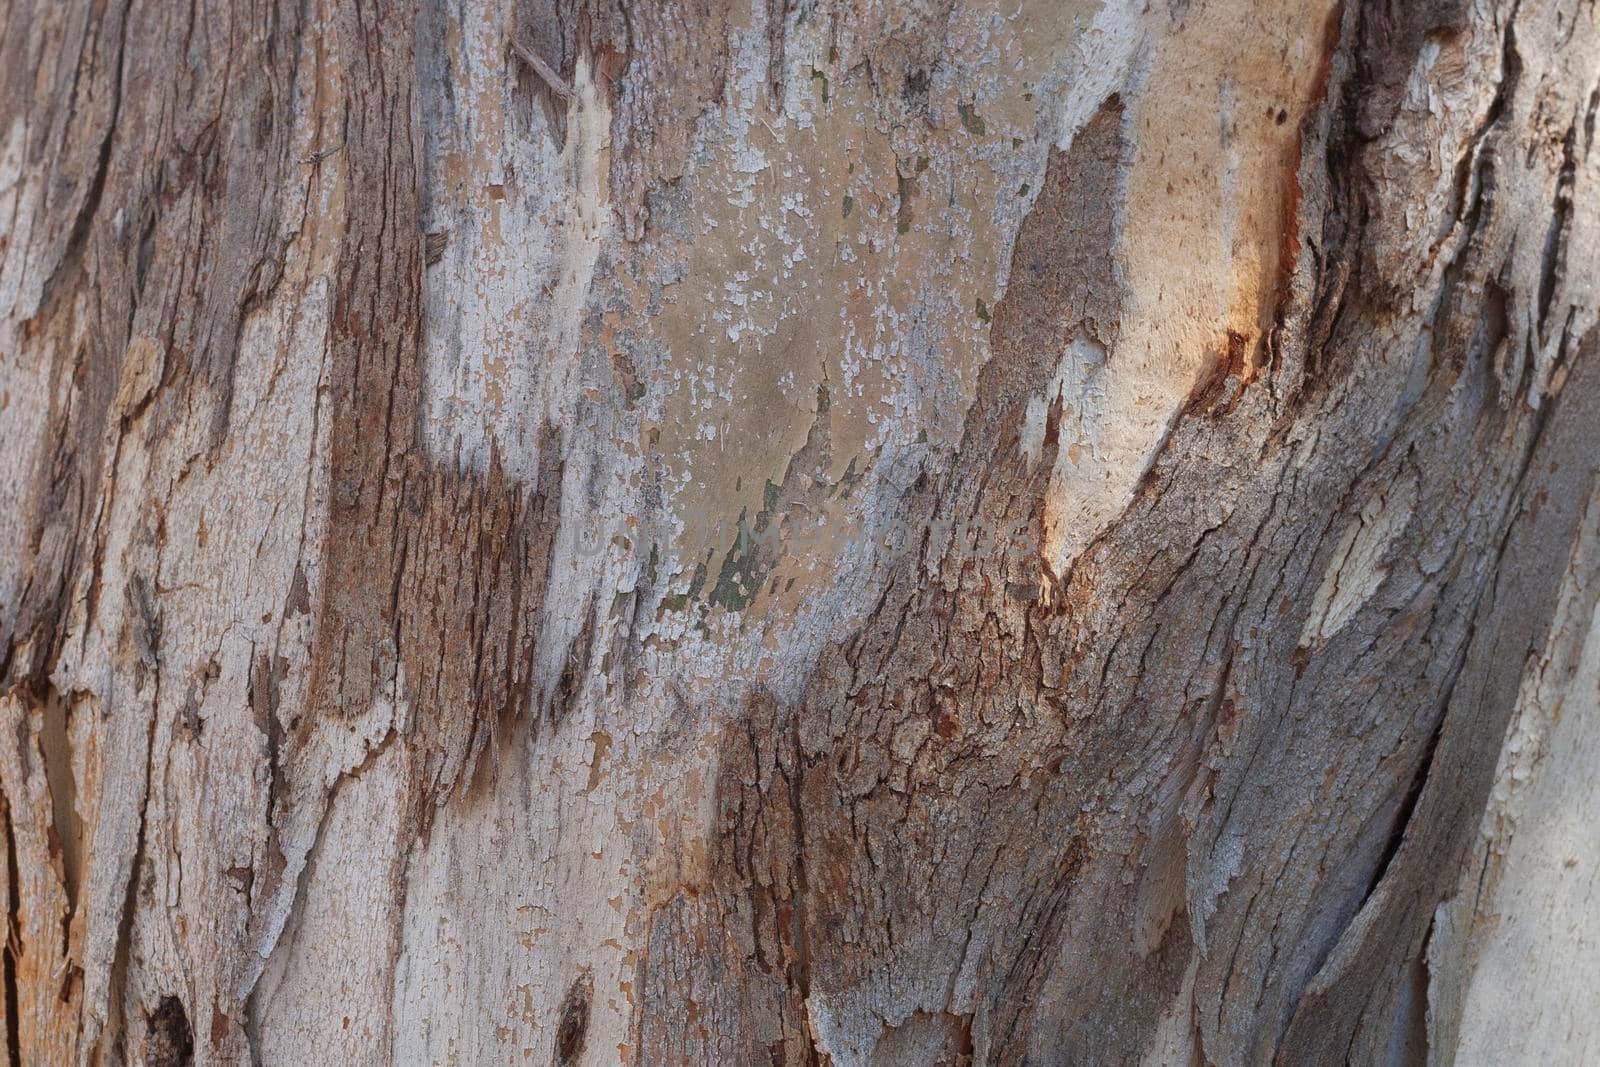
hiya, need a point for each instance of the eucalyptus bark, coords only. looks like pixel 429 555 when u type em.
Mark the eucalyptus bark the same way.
pixel 800 531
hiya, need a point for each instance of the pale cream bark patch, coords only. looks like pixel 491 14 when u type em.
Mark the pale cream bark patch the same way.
pixel 1358 565
pixel 1513 954
pixel 1212 114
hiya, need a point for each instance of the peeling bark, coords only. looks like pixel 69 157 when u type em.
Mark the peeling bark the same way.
pixel 799 531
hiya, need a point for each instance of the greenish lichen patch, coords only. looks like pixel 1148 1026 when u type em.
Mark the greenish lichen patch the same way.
pixel 754 553
pixel 971 120
pixel 743 569
pixel 681 601
pixel 848 480
pixel 820 76
pixel 905 189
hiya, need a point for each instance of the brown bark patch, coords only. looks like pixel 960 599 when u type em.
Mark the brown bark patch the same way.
pixel 168 1041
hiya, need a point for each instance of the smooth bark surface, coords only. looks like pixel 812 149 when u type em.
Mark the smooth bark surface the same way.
pixel 800 531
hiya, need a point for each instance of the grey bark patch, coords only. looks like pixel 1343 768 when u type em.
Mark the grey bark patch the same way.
pixel 1064 278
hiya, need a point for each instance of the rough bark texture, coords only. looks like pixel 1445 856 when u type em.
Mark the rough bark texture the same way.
pixel 800 531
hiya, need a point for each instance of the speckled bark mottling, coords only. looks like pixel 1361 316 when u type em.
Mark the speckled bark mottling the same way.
pixel 799 531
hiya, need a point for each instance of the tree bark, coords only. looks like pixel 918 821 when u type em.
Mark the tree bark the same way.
pixel 800 531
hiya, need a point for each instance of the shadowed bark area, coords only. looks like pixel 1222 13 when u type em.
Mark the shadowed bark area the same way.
pixel 855 532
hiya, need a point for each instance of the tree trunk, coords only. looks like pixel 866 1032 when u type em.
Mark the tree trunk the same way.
pixel 800 531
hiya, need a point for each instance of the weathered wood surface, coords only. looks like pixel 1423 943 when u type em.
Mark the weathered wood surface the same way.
pixel 854 531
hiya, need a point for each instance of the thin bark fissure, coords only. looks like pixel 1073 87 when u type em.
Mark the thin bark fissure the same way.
pixel 118 1021
pixel 77 236
pixel 13 925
